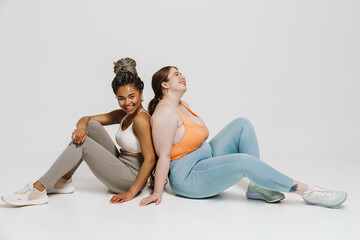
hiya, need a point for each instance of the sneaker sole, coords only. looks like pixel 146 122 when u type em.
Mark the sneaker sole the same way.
pixel 327 205
pixel 39 201
pixel 67 190
pixel 259 196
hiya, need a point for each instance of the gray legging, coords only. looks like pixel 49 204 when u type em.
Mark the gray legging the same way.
pixel 117 171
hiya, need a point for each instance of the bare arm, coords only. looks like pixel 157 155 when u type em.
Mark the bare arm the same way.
pixel 79 134
pixel 164 125
pixel 143 131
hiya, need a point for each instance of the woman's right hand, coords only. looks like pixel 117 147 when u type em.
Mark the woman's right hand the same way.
pixel 155 197
pixel 79 135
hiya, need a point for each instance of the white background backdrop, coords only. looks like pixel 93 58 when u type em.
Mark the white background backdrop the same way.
pixel 291 67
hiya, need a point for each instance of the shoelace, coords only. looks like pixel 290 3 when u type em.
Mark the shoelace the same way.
pixel 24 189
pixel 323 191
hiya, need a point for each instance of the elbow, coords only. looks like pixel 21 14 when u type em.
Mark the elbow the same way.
pixel 150 161
pixel 85 118
pixel 163 160
pixel 164 157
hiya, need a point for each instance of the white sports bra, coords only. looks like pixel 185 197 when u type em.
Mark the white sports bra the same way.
pixel 127 139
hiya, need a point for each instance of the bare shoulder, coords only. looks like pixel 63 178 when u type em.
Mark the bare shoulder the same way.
pixel 142 118
pixel 164 115
pixel 164 111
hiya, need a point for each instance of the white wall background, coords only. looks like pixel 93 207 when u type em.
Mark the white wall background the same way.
pixel 291 67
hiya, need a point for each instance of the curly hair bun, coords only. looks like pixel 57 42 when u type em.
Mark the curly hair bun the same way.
pixel 125 70
pixel 125 65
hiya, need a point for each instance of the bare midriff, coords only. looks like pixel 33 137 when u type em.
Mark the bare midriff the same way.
pixel 131 154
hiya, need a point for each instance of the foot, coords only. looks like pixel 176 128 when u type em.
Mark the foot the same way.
pixel 26 196
pixel 323 197
pixel 62 186
pixel 259 193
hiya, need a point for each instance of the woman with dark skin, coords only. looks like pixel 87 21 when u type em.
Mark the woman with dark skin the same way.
pixel 124 172
pixel 198 169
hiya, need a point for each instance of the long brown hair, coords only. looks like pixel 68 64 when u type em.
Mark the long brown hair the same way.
pixel 157 79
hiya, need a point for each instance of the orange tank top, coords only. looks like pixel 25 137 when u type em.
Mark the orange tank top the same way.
pixel 194 136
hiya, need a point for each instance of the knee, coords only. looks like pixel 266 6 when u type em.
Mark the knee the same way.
pixel 93 125
pixel 242 122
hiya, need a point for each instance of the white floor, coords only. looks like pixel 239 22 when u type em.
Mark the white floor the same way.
pixel 86 214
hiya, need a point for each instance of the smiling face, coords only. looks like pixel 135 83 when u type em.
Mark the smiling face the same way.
pixel 129 98
pixel 176 81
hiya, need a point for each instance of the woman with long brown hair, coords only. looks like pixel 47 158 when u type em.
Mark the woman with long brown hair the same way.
pixel 199 169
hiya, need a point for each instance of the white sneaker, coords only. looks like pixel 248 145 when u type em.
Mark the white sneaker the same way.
pixel 62 186
pixel 323 197
pixel 26 196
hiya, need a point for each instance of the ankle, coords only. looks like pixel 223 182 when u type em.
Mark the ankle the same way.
pixel 299 188
pixel 66 176
pixel 39 186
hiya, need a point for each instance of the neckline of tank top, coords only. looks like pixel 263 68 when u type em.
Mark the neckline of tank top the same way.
pixel 126 116
pixel 181 102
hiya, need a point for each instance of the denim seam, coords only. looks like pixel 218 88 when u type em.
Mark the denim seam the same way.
pixel 217 167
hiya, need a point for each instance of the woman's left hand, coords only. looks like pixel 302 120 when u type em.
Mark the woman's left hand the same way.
pixel 121 197
pixel 154 198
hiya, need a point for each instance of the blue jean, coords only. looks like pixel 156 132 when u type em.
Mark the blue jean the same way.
pixel 231 155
